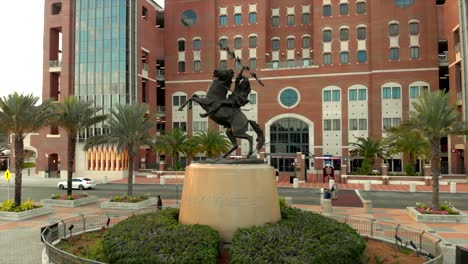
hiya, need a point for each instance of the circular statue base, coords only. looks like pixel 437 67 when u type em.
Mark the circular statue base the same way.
pixel 228 196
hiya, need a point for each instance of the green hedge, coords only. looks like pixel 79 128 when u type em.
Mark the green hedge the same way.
pixel 158 238
pixel 300 237
pixel 29 165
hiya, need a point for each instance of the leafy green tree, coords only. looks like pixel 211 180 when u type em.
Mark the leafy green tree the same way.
pixel 212 143
pixel 74 115
pixel 409 143
pixel 173 143
pixel 434 118
pixel 20 115
pixel 129 127
pixel 368 149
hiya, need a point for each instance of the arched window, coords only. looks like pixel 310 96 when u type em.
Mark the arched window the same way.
pixel 287 137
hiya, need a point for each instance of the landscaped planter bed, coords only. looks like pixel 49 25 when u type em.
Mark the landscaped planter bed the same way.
pixel 19 216
pixel 436 218
pixel 70 203
pixel 128 205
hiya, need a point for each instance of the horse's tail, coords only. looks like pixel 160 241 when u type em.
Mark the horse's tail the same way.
pixel 260 136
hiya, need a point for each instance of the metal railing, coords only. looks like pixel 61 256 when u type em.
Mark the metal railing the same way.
pixel 54 233
pixel 424 241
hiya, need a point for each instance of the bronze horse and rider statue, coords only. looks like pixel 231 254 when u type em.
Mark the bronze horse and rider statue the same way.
pixel 226 110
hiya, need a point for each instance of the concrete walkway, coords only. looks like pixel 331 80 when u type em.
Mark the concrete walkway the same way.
pixel 20 241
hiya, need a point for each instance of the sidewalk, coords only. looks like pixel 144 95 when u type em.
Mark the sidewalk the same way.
pixel 20 241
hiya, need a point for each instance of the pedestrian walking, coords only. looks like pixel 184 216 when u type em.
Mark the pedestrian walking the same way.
pixel 334 191
pixel 159 203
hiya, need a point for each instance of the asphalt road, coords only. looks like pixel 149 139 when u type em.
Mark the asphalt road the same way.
pixel 309 196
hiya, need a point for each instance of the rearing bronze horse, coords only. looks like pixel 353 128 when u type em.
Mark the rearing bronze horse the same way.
pixel 226 111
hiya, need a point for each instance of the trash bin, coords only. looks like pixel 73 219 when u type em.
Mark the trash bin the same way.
pixel 291 179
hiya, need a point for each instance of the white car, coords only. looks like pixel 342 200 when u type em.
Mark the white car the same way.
pixel 78 183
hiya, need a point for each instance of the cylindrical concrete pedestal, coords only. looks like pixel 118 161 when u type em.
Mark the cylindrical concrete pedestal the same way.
pixel 367 186
pixel 229 196
pixel 412 187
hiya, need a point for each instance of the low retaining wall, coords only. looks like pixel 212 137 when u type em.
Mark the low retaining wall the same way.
pixel 434 218
pixel 19 216
pixel 70 203
pixel 129 206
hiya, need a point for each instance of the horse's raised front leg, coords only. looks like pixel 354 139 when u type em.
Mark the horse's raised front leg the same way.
pixel 189 102
pixel 233 142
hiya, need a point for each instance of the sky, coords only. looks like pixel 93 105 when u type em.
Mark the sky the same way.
pixel 21 46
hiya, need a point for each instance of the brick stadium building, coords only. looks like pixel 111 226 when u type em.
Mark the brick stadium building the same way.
pixel 333 70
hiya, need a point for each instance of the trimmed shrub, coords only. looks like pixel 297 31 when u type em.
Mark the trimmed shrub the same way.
pixel 158 238
pixel 27 165
pixel 300 237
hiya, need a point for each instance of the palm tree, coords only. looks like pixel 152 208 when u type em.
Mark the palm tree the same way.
pixel 212 143
pixel 129 127
pixel 407 142
pixel 173 143
pixel 434 118
pixel 368 149
pixel 20 115
pixel 74 115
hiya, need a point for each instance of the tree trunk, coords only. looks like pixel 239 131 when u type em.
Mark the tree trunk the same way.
pixel 435 151
pixel 19 159
pixel 131 160
pixel 71 158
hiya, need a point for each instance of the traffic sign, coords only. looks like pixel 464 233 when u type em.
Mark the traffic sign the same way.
pixel 7 175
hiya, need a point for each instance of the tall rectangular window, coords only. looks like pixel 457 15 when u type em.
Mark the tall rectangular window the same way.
pixel 252 42
pixel 252 63
pixel 305 18
pixel 237 19
pixel 275 21
pixel 344 57
pixel 396 93
pixel 387 93
pixel 414 28
pixel 306 62
pixel 343 9
pixel 196 66
pixel 327 10
pixel 144 13
pixel 306 42
pixel 414 92
pixel 361 33
pixel 179 100
pixel 393 29
pixel 252 18
pixel 223 64
pixel 386 123
pixel 290 43
pixel 327 59
pixel 237 43
pixel 362 56
pixel 327 124
pixel 275 44
pixel 361 7
pixel 344 34
pixel 180 125
pixel 336 124
pixel 196 44
pixel 362 124
pixel 414 52
pixel 394 53
pixel 223 42
pixel 290 20
pixel 327 35
pixel 352 95
pixel 327 96
pixel 362 94
pixel 181 45
pixel 353 124
pixel 336 95
pixel 222 20
pixel 181 66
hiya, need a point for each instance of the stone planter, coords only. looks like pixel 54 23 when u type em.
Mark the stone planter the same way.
pixel 19 216
pixel 436 218
pixel 129 206
pixel 70 203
